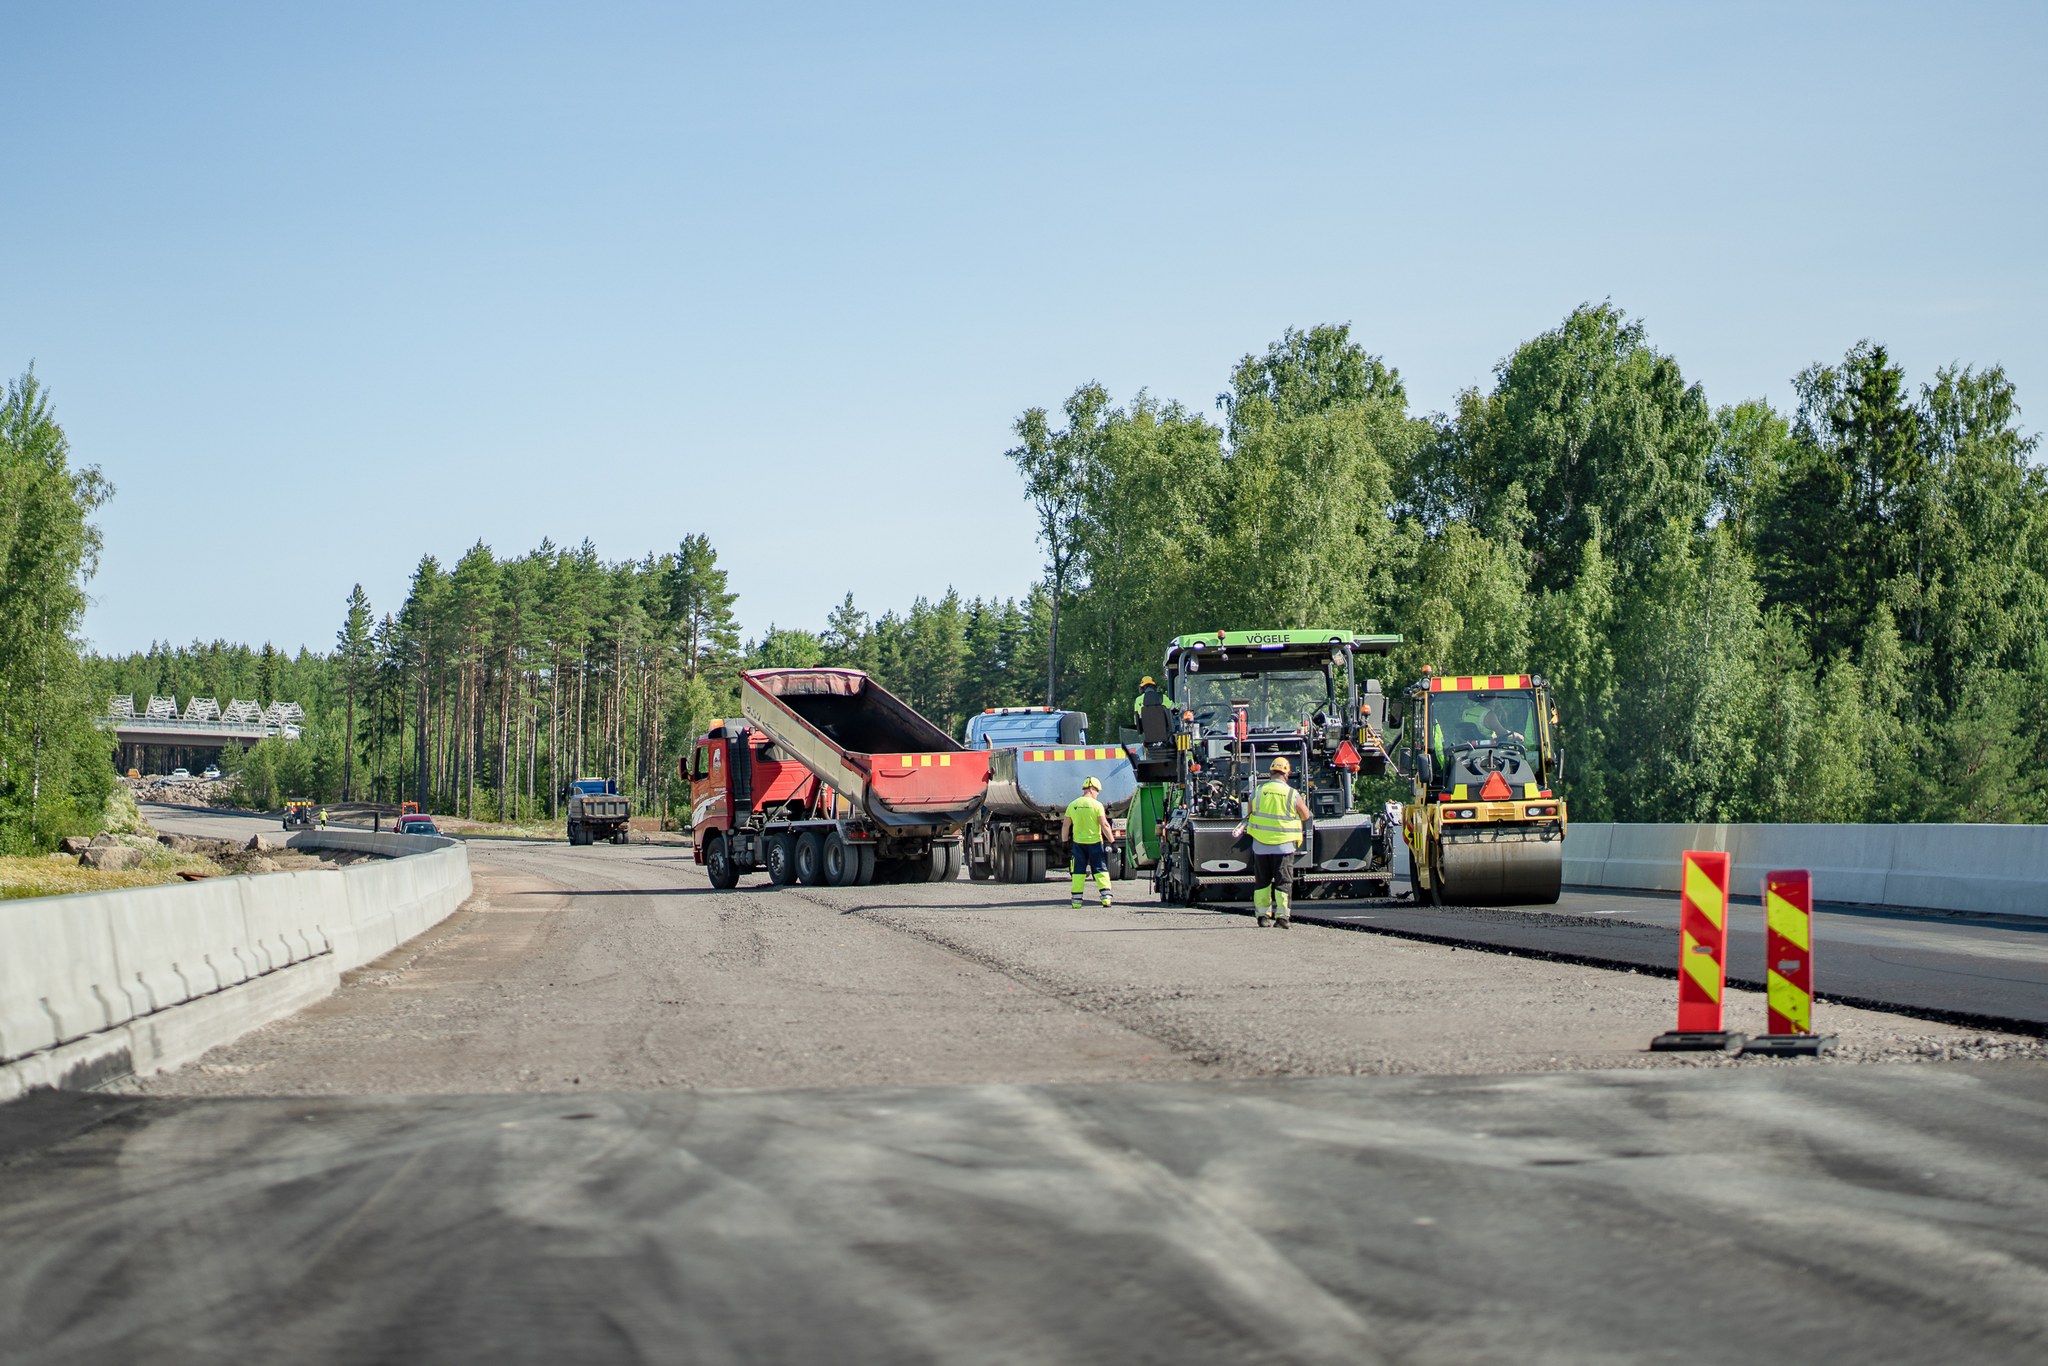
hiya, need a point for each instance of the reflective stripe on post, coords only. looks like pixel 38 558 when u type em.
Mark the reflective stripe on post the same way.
pixel 1702 956
pixel 1788 968
pixel 1702 941
pixel 1788 948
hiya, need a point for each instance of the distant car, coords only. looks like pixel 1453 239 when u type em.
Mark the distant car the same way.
pixel 212 772
pixel 416 825
pixel 179 775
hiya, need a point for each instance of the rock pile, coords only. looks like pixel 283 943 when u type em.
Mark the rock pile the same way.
pixel 183 792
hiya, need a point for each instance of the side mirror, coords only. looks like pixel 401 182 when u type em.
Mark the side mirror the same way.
pixel 1425 767
pixel 1397 715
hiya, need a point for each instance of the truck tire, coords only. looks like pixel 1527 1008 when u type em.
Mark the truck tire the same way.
pixel 1073 725
pixel 978 871
pixel 780 858
pixel 950 872
pixel 867 865
pixel 1032 864
pixel 810 859
pixel 839 862
pixel 718 865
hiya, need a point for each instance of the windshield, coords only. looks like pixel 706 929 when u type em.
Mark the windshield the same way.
pixel 1482 718
pixel 1280 699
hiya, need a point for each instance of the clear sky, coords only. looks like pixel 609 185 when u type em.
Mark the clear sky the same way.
pixel 324 292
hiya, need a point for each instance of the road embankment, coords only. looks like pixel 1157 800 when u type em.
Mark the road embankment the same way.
pixel 103 985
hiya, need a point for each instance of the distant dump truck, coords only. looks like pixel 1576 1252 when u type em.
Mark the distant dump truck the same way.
pixel 597 811
pixel 1038 759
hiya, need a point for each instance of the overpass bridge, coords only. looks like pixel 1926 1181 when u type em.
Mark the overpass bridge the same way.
pixel 202 725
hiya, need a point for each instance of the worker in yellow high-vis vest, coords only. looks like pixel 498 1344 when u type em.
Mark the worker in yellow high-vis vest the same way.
pixel 1086 829
pixel 1275 822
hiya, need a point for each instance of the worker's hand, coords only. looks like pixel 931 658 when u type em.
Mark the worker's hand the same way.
pixel 1238 833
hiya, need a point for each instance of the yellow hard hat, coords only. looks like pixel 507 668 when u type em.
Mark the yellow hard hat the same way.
pixel 1091 781
pixel 1280 765
pixel 1147 682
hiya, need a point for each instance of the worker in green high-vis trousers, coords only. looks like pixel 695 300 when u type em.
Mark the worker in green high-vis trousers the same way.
pixel 1085 828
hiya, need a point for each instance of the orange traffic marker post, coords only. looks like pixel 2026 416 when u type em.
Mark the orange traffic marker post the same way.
pixel 1788 968
pixel 1702 957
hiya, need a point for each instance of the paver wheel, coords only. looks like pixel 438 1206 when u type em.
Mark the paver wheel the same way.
pixel 718 865
pixel 780 856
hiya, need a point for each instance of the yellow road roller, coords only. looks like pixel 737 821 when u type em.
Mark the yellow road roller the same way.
pixel 1486 826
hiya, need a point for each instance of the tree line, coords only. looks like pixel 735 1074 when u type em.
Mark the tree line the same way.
pixel 54 774
pixel 1836 612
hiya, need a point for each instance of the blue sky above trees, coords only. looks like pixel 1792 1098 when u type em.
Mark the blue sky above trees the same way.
pixel 319 292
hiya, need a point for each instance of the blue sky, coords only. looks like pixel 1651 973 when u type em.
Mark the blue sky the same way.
pixel 323 292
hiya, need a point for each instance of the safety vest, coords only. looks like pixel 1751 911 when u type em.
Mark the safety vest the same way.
pixel 1087 815
pixel 1273 820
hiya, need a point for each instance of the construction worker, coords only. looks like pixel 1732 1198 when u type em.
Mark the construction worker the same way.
pixel 1086 827
pixel 1148 695
pixel 1275 822
pixel 323 818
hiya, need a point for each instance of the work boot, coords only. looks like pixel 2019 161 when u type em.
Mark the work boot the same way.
pixel 1284 921
pixel 1075 903
pixel 1105 900
pixel 1265 919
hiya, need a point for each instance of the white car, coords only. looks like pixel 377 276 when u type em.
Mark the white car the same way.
pixel 212 772
pixel 180 775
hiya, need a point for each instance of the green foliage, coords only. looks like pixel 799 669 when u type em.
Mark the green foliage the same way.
pixel 54 771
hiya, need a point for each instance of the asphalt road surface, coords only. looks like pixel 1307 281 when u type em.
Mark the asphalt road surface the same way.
pixel 214 824
pixel 1981 969
pixel 605 1113
pixel 1867 1214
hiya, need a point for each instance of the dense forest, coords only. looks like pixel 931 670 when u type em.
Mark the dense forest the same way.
pixel 1834 613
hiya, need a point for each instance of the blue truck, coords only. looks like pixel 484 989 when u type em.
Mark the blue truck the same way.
pixel 1038 757
pixel 597 811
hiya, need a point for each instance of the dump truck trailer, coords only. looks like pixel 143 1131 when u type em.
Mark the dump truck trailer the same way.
pixel 830 779
pixel 1486 826
pixel 1038 759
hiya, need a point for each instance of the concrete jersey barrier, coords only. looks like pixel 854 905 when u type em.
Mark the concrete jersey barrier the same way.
pixel 1995 869
pixel 104 984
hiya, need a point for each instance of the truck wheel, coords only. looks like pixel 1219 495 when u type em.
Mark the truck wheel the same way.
pixel 780 856
pixel 718 865
pixel 867 864
pixel 841 862
pixel 980 872
pixel 950 869
pixel 810 858
pixel 1033 863
pixel 1119 864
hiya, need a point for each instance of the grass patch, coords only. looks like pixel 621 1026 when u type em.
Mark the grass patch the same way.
pixel 61 874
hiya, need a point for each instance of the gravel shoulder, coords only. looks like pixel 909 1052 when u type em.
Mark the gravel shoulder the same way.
pixel 619 968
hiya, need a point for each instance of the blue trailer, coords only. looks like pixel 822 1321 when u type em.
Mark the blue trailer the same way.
pixel 1038 757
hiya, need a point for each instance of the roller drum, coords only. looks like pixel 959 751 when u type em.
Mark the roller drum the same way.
pixel 1502 868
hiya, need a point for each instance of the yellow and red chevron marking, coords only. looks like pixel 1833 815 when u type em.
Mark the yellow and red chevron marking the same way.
pixel 1479 683
pixel 1702 940
pixel 1096 755
pixel 924 760
pixel 1788 951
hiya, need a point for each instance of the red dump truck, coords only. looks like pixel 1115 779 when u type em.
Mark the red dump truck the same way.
pixel 832 780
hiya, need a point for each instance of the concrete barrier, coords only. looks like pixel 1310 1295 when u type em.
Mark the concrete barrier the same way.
pixel 106 984
pixel 1993 869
